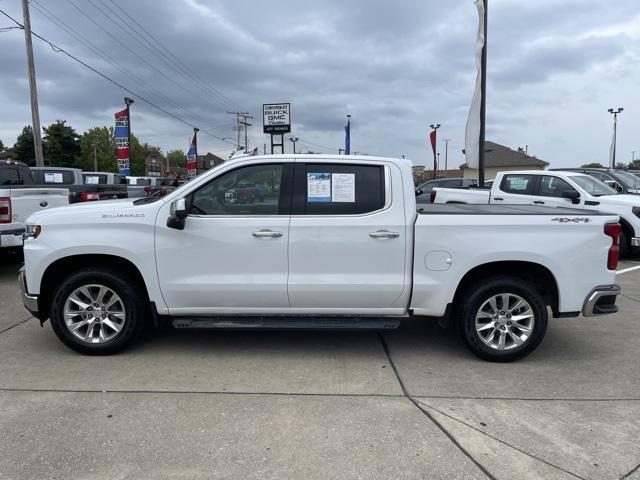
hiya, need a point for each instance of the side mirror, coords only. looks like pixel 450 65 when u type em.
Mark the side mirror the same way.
pixel 419 192
pixel 178 214
pixel 572 195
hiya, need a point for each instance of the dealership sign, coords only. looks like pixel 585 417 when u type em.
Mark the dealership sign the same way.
pixel 277 118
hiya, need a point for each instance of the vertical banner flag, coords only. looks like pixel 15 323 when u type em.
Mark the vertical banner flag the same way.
pixel 192 156
pixel 472 132
pixel 347 139
pixel 433 137
pixel 122 142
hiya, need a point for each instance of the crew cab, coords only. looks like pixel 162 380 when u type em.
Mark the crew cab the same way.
pixel 66 177
pixel 19 198
pixel 556 189
pixel 108 184
pixel 332 242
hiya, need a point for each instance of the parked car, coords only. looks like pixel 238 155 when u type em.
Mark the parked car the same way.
pixel 19 198
pixel 149 186
pixel 622 181
pixel 557 189
pixel 110 185
pixel 69 178
pixel 342 246
pixel 423 192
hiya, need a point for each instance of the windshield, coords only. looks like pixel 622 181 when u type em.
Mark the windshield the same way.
pixel 593 186
pixel 631 181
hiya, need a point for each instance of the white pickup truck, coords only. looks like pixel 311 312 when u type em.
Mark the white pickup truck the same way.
pixel 323 242
pixel 19 198
pixel 555 189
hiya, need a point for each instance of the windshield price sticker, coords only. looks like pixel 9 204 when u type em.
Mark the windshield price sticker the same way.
pixel 318 187
pixel 343 187
pixel 93 180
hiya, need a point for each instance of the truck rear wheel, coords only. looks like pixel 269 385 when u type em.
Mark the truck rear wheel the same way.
pixel 98 311
pixel 502 319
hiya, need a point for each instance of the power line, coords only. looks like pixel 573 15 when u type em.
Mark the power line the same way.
pixel 87 43
pixel 57 49
pixel 183 66
pixel 133 33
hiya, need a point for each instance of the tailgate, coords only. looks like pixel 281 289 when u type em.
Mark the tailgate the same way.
pixel 25 201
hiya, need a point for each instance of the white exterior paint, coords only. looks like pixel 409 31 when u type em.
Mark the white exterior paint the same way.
pixel 325 264
pixel 621 204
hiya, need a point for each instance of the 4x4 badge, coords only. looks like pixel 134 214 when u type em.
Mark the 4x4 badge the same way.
pixel 571 219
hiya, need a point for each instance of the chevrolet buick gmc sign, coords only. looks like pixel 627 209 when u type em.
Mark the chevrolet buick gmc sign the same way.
pixel 276 118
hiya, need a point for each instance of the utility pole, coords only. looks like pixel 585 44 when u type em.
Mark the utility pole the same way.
pixel 35 114
pixel 294 140
pixel 238 128
pixel 246 124
pixel 95 155
pixel 633 156
pixel 615 134
pixel 446 152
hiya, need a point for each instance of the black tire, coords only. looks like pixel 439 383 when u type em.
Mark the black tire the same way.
pixel 625 244
pixel 133 299
pixel 471 303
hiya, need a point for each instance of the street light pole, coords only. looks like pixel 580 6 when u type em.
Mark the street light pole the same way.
pixel 434 144
pixel 35 113
pixel 615 134
pixel 294 140
pixel 446 152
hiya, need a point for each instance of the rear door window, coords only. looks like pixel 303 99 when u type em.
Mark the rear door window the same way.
pixel 53 177
pixel 9 175
pixel 338 189
pixel 518 184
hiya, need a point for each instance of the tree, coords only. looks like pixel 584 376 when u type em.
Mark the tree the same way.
pixel 61 145
pixel 136 153
pixel 592 165
pixel 177 158
pixel 105 150
pixel 1 146
pixel 635 165
pixel 621 166
pixel 24 149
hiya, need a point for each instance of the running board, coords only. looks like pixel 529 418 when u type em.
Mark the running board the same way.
pixel 288 323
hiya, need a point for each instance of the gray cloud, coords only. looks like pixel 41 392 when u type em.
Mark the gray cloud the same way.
pixel 395 66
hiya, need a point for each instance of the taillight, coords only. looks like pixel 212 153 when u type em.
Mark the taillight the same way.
pixel 89 196
pixel 5 210
pixel 613 230
pixel 432 197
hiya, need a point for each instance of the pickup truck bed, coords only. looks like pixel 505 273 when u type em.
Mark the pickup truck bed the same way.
pixel 476 209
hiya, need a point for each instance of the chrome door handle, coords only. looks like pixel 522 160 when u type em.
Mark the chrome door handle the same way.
pixel 266 234
pixel 384 234
pixel 538 202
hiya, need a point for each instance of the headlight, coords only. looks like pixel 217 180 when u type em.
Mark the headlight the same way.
pixel 32 231
pixel 636 211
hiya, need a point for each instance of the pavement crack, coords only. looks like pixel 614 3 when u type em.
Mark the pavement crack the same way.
pixel 427 414
pixel 15 325
pixel 631 472
pixel 502 441
pixel 630 298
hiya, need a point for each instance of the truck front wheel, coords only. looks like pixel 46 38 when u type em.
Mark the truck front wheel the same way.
pixel 98 311
pixel 502 319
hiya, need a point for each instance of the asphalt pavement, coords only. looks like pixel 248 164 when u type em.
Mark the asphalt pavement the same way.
pixel 411 403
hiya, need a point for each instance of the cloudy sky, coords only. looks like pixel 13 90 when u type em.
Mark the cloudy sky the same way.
pixel 555 67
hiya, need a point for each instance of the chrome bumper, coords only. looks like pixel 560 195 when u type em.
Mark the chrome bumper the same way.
pixel 30 301
pixel 601 301
pixel 635 241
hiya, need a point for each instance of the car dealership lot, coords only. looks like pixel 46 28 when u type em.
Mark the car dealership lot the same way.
pixel 412 403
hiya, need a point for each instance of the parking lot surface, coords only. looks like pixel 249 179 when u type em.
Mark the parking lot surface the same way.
pixel 411 403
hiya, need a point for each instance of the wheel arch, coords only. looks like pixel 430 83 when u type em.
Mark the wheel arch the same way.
pixel 61 268
pixel 535 273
